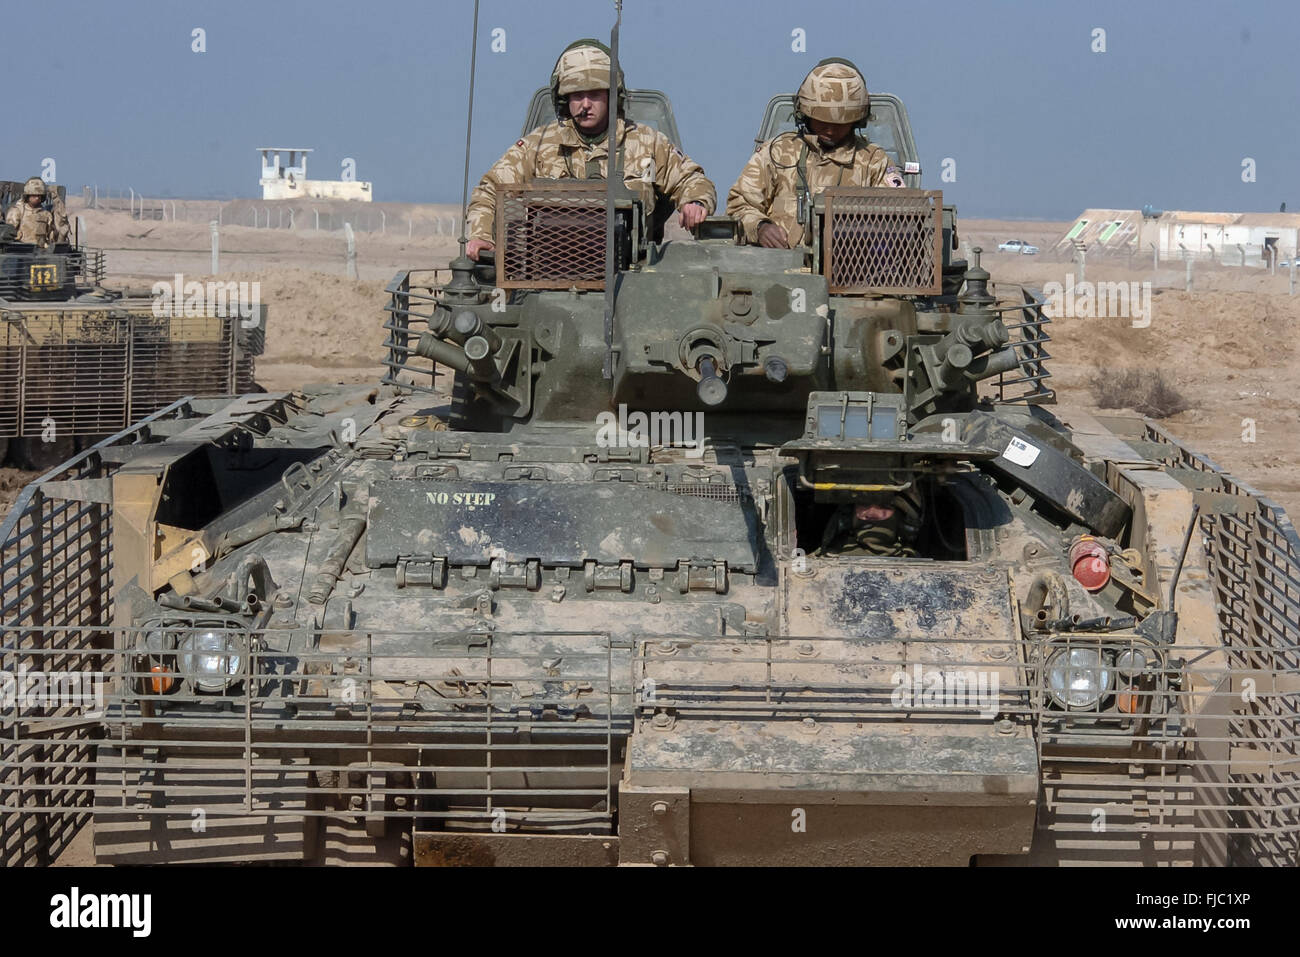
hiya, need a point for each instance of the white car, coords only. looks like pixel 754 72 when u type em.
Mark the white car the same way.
pixel 1017 246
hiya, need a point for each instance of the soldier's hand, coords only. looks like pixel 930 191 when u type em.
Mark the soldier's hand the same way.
pixel 476 246
pixel 691 215
pixel 894 178
pixel 772 236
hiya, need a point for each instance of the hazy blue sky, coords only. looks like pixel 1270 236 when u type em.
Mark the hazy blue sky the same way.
pixel 1038 124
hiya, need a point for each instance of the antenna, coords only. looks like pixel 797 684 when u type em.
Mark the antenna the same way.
pixel 469 125
pixel 612 175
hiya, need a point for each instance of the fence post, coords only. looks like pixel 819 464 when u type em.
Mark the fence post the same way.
pixel 316 212
pixel 131 211
pixel 1155 258
pixel 408 225
pixel 383 221
pixel 352 250
pixel 81 241
pixel 1081 259
pixel 213 227
pixel 1294 254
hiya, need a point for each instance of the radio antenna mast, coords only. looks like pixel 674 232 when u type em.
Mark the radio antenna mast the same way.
pixel 612 176
pixel 469 125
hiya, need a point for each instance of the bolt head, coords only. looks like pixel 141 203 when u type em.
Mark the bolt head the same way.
pixel 660 808
pixel 659 858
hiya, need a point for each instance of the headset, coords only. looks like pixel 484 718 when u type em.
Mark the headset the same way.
pixel 801 120
pixel 561 102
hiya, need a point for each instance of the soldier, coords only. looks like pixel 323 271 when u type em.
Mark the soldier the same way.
pixel 576 147
pixel 876 523
pixel 826 150
pixel 34 223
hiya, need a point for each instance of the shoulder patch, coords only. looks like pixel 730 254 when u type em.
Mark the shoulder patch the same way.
pixel 519 143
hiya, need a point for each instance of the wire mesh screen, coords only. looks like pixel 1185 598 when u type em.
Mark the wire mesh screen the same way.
pixel 886 241
pixel 551 235
pixel 91 372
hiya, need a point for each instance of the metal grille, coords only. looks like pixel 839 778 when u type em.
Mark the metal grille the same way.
pixel 1027 324
pixel 715 491
pixel 493 732
pixel 54 570
pixel 90 372
pixel 551 235
pixel 74 373
pixel 55 606
pixel 886 241
pixel 49 275
pixel 177 356
pixel 410 307
pixel 1160 770
pixel 1254 563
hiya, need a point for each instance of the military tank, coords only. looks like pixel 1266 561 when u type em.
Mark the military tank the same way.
pixel 753 556
pixel 80 361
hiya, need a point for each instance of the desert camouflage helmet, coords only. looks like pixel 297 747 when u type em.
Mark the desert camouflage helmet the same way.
pixel 584 65
pixel 34 187
pixel 834 91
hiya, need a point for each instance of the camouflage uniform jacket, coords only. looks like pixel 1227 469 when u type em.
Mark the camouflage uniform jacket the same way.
pixel 768 187
pixel 651 164
pixel 38 226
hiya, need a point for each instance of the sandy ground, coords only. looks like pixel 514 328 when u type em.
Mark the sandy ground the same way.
pixel 1228 346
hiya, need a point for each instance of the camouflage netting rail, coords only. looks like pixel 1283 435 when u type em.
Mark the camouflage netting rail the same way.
pixel 92 371
pixel 55 573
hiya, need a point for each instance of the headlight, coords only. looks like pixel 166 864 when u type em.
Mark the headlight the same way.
pixel 211 658
pixel 1131 662
pixel 1078 677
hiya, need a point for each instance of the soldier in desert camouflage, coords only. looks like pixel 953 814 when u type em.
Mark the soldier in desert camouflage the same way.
pixel 827 150
pixel 33 222
pixel 576 147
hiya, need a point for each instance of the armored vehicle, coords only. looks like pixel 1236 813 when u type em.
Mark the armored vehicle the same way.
pixel 79 361
pixel 781 558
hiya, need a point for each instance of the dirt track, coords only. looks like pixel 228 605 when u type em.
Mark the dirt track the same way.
pixel 1228 346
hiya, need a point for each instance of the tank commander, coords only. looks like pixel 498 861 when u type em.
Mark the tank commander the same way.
pixel 34 223
pixel 576 147
pixel 831 105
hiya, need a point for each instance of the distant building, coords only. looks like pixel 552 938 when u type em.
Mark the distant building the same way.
pixel 1230 238
pixel 284 176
